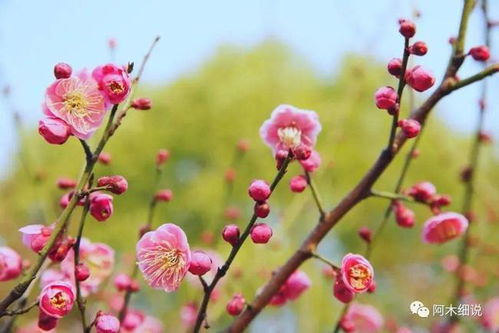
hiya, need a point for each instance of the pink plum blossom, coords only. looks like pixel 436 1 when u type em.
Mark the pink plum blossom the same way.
pixel 133 319
pixel 106 323
pixel 311 163
pixel 295 285
pixel 113 81
pixel 357 273
pixel 36 236
pixel 444 227
pixel 365 318
pixel 290 128
pixel 101 206
pixel 236 305
pixel 164 257
pixel 78 102
pixel 10 264
pixel 54 130
pixel 57 299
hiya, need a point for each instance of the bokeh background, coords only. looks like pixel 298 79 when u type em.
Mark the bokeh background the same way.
pixel 217 73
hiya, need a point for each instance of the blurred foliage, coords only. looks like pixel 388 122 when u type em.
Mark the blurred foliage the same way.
pixel 200 118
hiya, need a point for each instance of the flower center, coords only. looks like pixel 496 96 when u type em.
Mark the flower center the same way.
pixel 289 136
pixel 116 87
pixel 59 300
pixel 75 103
pixel 359 276
pixel 171 258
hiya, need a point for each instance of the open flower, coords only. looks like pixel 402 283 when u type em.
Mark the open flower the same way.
pixel 164 256
pixel 10 264
pixel 357 273
pixel 113 81
pixel 57 299
pixel 444 227
pixel 78 102
pixel 290 128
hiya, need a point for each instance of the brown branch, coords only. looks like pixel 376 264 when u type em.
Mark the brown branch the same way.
pixel 358 193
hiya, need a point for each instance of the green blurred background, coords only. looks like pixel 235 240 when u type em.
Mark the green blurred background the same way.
pixel 199 118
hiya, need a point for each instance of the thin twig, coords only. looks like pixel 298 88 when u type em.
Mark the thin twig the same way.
pixel 326 261
pixel 235 249
pixel 473 163
pixel 79 299
pixel 316 195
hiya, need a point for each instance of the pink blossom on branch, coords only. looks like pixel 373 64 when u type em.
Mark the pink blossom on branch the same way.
pixel 357 273
pixel 78 102
pixel 55 131
pixel 10 264
pixel 113 81
pixel 444 227
pixel 57 299
pixel 290 128
pixel 293 288
pixel 35 236
pixel 164 257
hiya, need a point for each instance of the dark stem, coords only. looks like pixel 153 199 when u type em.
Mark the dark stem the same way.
pixel 400 90
pixel 79 299
pixel 316 195
pixel 235 249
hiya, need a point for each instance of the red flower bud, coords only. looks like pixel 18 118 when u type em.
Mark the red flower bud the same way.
pixel 403 215
pixel 418 48
pixel 230 234
pixel 366 234
pixel 162 156
pixel 385 98
pixel 104 158
pixel 65 183
pixel 261 233
pixel 142 104
pixel 419 79
pixel 410 127
pixel 164 195
pixel 407 28
pixel 395 67
pixel 115 184
pixel 236 305
pixel 298 184
pixel 62 71
pixel 480 53
pixel 82 272
pixel 261 209
pixel 55 131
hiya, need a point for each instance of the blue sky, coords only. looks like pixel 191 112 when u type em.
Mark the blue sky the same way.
pixel 34 35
